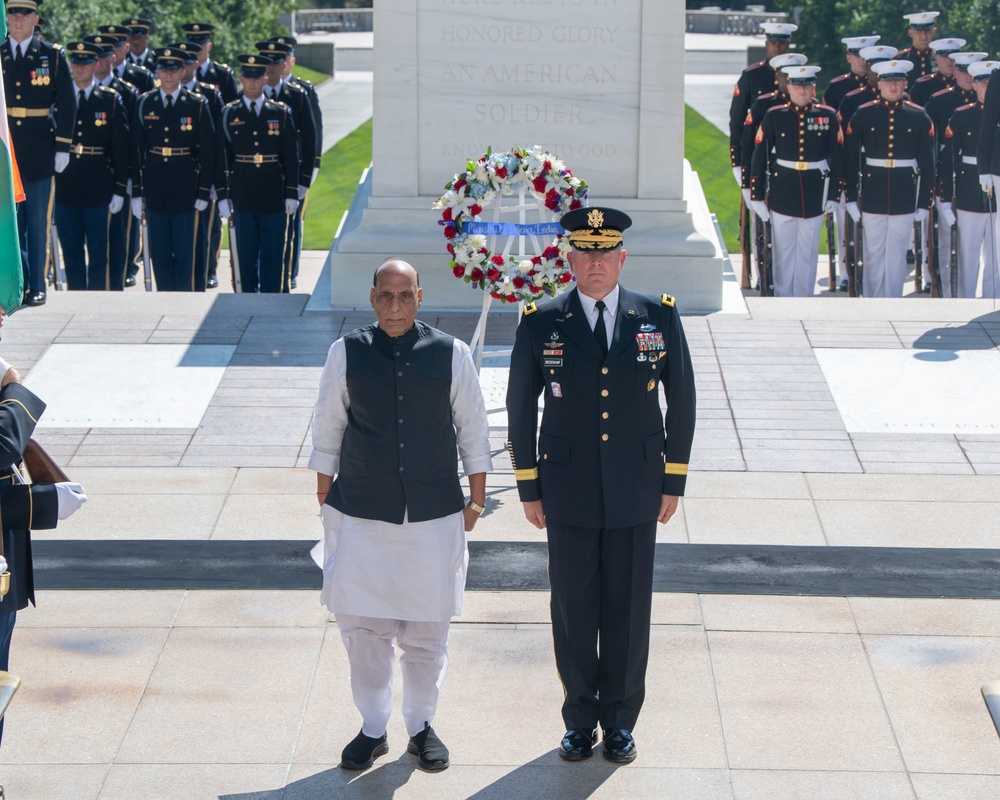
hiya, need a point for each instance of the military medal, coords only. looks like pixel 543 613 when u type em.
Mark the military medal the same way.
pixel 186 123
pixel 273 127
pixel 556 389
pixel 100 118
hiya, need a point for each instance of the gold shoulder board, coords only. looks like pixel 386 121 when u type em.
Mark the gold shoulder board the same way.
pixel 667 300
pixel 531 308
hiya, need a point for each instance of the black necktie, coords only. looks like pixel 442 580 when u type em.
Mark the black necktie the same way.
pixel 17 54
pixel 170 101
pixel 256 113
pixel 83 97
pixel 600 330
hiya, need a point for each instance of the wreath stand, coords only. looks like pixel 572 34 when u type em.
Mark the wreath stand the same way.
pixel 478 343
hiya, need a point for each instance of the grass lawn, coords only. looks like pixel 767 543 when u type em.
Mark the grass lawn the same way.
pixel 310 74
pixel 707 148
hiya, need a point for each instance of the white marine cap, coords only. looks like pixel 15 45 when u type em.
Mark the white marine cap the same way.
pixel 963 60
pixel 855 43
pixel 981 70
pixel 883 51
pixel 778 30
pixel 801 76
pixel 788 60
pixel 892 70
pixel 943 47
pixel 922 19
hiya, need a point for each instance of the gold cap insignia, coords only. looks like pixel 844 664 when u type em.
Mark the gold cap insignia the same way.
pixel 595 219
pixel 80 46
pixel 251 60
pixel 270 46
pixel 196 27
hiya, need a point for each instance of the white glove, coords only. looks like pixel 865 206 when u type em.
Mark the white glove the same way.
pixel 117 201
pixel 4 366
pixel 854 211
pixel 70 497
pixel 746 197
pixel 291 206
pixel 760 209
pixel 225 210
pixel 3 564
pixel 738 174
pixel 200 205
pixel 62 161
pixel 212 194
pixel 830 207
pixel 302 191
pixel 128 186
pixel 315 173
pixel 920 215
pixel 986 181
pixel 947 213
pixel 137 207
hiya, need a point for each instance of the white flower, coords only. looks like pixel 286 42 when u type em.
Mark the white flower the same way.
pixel 525 266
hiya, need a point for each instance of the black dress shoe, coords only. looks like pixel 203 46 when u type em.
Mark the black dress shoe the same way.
pixel 34 298
pixel 130 280
pixel 213 281
pixel 295 283
pixel 577 744
pixel 843 285
pixel 910 258
pixel 619 746
pixel 927 288
pixel 429 749
pixel 363 750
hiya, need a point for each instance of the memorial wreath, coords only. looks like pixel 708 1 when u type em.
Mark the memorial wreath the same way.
pixel 508 278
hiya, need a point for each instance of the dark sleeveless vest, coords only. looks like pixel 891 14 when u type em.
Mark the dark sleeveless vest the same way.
pixel 399 452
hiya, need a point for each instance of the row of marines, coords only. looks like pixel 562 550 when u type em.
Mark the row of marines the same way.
pixel 894 154
pixel 126 138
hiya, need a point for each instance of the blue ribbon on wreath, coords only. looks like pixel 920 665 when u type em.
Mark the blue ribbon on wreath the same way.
pixel 505 228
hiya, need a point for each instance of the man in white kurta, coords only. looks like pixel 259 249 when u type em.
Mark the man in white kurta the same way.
pixel 399 403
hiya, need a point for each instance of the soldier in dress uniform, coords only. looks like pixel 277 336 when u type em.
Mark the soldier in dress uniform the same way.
pixel 258 162
pixel 92 187
pixel 853 100
pixel 173 146
pixel 922 30
pixel 795 178
pixel 988 147
pixel 939 107
pixel 295 98
pixel 927 85
pixel 139 76
pixel 890 162
pixel 310 90
pixel 38 32
pixel 41 109
pixel 606 467
pixel 139 51
pixel 213 72
pixel 205 259
pixel 757 79
pixel 121 221
pixel 961 193
pixel 834 95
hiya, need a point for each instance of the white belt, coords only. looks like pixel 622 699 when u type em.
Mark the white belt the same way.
pixel 890 163
pixel 802 165
pixel 969 160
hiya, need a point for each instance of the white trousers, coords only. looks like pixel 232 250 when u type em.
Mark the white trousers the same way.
pixel 370 651
pixel 796 254
pixel 887 237
pixel 944 252
pixel 975 242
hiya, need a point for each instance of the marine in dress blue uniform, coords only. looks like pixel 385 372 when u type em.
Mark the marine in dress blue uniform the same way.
pixel 757 79
pixel 41 109
pixel 962 198
pixel 943 77
pixel 853 100
pixel 173 146
pixel 92 187
pixel 795 178
pixel 890 164
pixel 922 30
pixel 838 88
pixel 605 466
pixel 258 178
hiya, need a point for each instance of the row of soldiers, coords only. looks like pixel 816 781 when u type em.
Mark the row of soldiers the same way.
pixel 138 155
pixel 898 153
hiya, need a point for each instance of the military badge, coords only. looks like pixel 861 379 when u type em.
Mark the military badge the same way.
pixel 187 123
pixel 556 389
pixel 273 127
pixel 651 385
pixel 100 118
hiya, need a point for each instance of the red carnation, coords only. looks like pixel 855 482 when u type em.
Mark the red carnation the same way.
pixel 460 183
pixel 532 273
pixel 475 211
pixel 539 183
pixel 476 275
pixel 496 295
pixel 552 200
pixel 550 252
pixel 565 278
pixel 547 165
pixel 498 260
pixel 536 260
pixel 569 192
pixel 501 172
pixel 459 270
pixel 446 216
pixel 450 248
pixel 511 298
pixel 493 274
pixel 450 232
pixel 483 250
pixel 575 205
pixel 518 282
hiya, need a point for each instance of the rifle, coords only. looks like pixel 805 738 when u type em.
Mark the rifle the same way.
pixel 953 256
pixel 58 269
pixel 767 274
pixel 859 246
pixel 745 242
pixel 851 255
pixel 147 267
pixel 932 254
pixel 234 256
pixel 918 249
pixel 759 242
pixel 831 242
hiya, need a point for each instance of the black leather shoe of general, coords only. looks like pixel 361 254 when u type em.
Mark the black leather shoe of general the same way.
pixel 363 750
pixel 213 281
pixel 34 299
pixel 429 749
pixel 578 744
pixel 619 746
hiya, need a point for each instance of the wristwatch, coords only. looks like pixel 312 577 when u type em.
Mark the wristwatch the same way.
pixel 476 507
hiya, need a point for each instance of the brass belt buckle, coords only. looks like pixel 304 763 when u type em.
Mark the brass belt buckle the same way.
pixel 890 163
pixel 258 159
pixel 167 151
pixel 18 112
pixel 76 149
pixel 801 165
